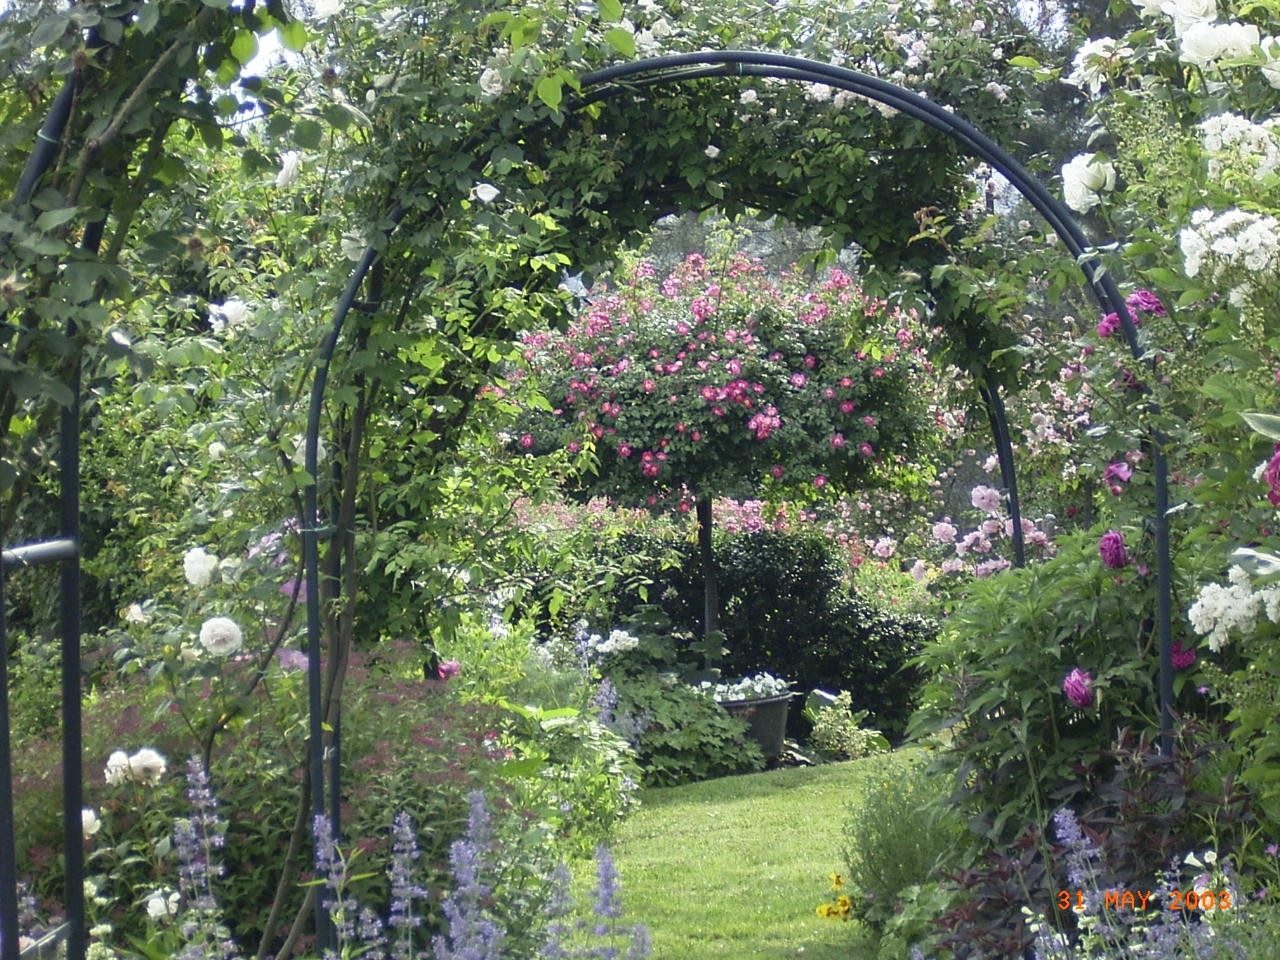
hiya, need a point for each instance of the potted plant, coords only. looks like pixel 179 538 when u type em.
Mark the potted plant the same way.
pixel 762 701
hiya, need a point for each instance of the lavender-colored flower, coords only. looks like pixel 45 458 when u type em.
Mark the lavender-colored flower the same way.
pixel 608 899
pixel 404 889
pixel 1078 686
pixel 472 934
pixel 1079 850
pixel 196 839
pixel 1112 550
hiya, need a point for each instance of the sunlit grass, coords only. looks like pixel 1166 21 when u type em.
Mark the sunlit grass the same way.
pixel 736 867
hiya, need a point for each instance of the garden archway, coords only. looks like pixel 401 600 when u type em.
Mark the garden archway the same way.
pixel 624 80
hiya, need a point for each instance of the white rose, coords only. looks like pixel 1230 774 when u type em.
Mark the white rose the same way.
pixel 1271 61
pixel 1187 13
pixel 491 83
pixel 1205 43
pixel 160 904
pixel 117 768
pixel 1083 179
pixel 217 450
pixel 290 163
pixel 198 566
pixel 485 192
pixel 136 613
pixel 229 315
pixel 712 151
pixel 221 636
pixel 147 766
pixel 89 822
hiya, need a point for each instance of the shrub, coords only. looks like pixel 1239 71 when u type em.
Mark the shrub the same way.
pixel 896 833
pixel 787 609
pixel 837 730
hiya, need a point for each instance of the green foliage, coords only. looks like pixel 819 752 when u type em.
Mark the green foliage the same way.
pixel 996 675
pixel 896 833
pixel 837 730
pixel 687 736
pixel 788 611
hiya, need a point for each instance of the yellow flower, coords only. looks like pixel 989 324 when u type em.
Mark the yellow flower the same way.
pixel 845 905
pixel 826 910
pixel 837 881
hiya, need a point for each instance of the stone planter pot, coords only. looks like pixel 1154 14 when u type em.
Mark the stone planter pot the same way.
pixel 766 719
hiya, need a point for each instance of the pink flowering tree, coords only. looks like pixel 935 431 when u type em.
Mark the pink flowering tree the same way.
pixel 721 381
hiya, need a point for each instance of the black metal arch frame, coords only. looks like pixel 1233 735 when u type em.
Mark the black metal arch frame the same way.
pixel 603 85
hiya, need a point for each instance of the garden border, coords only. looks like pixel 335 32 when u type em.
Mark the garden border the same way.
pixel 598 86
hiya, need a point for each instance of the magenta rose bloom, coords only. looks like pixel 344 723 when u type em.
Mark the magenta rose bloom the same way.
pixel 1271 474
pixel 448 669
pixel 1145 301
pixel 1078 686
pixel 1112 550
pixel 1109 325
pixel 1182 658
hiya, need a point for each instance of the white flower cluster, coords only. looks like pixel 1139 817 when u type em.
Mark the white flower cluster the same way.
pixel 145 767
pixel 1234 241
pixel 1231 139
pixel 221 636
pixel 1234 606
pixel 748 688
pixel 618 641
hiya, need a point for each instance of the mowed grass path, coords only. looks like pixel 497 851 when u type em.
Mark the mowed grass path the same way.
pixel 736 867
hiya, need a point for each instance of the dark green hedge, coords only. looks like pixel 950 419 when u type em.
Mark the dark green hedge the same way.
pixel 785 608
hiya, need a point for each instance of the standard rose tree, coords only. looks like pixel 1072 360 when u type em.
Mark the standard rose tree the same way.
pixel 721 381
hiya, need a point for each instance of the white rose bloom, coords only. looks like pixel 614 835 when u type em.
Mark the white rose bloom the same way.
pixel 290 163
pixel 228 316
pixel 1271 60
pixel 136 613
pixel 485 192
pixel 217 450
pixel 491 83
pixel 1205 43
pixel 712 151
pixel 1084 178
pixel 661 28
pixel 89 822
pixel 321 9
pixel 162 904
pixel 1187 13
pixel 117 768
pixel 1093 61
pixel 221 636
pixel 198 566
pixel 147 766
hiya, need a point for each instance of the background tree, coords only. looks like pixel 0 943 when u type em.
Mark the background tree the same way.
pixel 720 381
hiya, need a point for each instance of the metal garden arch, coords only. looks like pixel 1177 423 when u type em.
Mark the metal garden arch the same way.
pixel 600 86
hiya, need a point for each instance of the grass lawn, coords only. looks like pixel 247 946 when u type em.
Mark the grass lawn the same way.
pixel 735 867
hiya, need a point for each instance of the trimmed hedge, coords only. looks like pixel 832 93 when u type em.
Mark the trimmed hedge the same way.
pixel 786 608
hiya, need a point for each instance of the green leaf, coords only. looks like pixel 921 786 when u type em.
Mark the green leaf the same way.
pixel 52 219
pixel 1030 63
pixel 551 91
pixel 308 134
pixel 245 46
pixel 1267 424
pixel 148 17
pixel 611 10
pixel 50 30
pixel 294 35
pixel 621 40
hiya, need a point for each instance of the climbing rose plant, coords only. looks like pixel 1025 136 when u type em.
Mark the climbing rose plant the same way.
pixel 724 381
